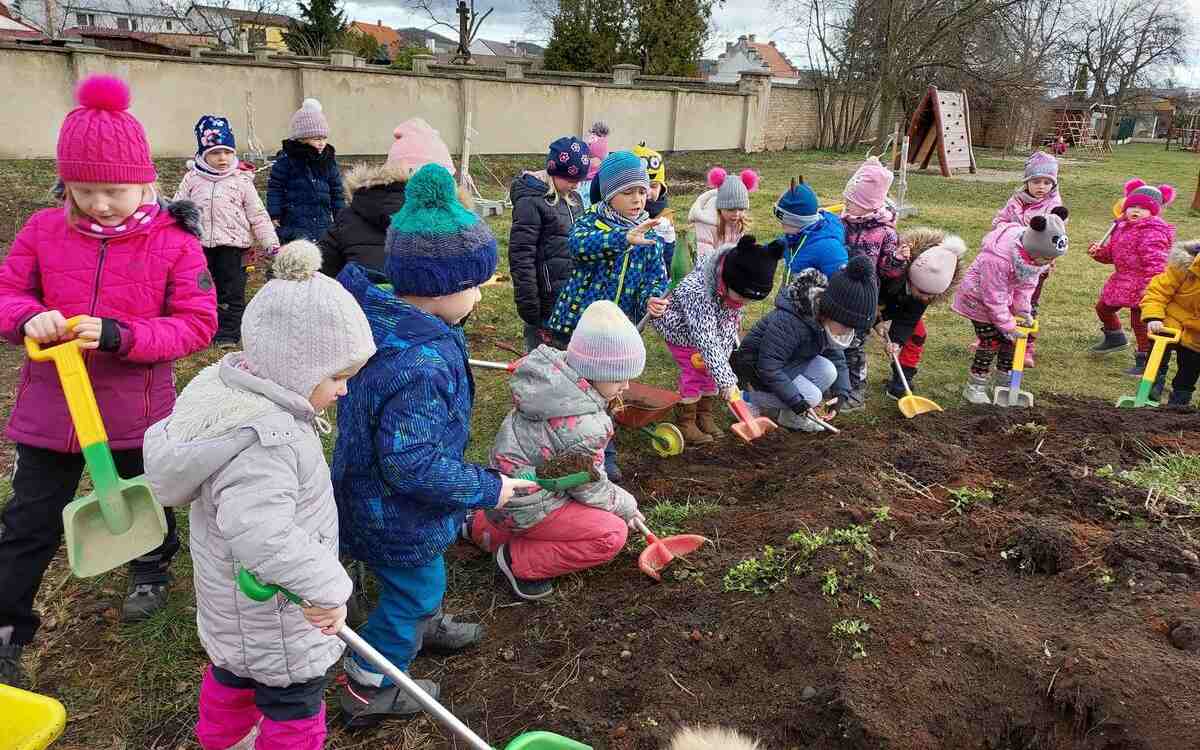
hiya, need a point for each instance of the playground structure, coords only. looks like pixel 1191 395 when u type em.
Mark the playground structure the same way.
pixel 940 124
pixel 1186 138
pixel 1082 127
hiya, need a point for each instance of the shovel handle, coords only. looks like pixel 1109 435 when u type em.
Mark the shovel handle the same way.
pixel 649 535
pixel 900 372
pixel 483 364
pixel 76 385
pixel 1171 338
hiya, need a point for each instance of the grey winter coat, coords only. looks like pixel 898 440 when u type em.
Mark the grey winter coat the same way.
pixel 245 453
pixel 557 413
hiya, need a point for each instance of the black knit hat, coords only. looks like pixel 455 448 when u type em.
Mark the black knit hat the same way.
pixel 750 268
pixel 852 296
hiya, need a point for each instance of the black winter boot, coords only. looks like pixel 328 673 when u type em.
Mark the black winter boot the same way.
pixel 1139 365
pixel 1181 397
pixel 1160 382
pixel 11 671
pixel 365 706
pixel 1113 341
pixel 895 388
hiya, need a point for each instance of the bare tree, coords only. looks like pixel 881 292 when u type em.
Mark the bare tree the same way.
pixel 466 28
pixel 214 18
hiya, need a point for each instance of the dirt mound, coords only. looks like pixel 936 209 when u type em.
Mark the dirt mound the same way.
pixel 974 579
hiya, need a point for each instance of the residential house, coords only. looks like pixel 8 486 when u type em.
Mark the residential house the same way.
pixel 748 54
pixel 12 30
pixel 56 16
pixel 241 29
pixel 387 37
pixel 491 53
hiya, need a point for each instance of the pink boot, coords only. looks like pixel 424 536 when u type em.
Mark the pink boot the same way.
pixel 227 715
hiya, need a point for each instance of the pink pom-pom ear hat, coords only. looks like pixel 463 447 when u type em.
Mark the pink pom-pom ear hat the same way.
pixel 1140 195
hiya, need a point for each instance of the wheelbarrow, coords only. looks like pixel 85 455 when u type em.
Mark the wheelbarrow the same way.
pixel 1161 341
pixel 260 592
pixel 120 520
pixel 29 721
pixel 1012 395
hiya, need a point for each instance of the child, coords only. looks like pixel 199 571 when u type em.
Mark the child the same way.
pixel 870 231
pixel 545 206
pixel 934 266
pixel 703 317
pixel 1037 196
pixel 597 143
pixel 304 191
pixel 1138 248
pixel 793 355
pixel 131 267
pixel 233 219
pixel 656 201
pixel 243 448
pixel 1173 300
pixel 815 238
pixel 561 402
pixel 615 258
pixel 997 288
pixel 722 215
pixel 399 476
pixel 377 192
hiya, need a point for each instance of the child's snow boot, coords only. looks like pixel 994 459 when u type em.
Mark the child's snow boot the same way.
pixel 856 400
pixel 525 588
pixel 148 591
pixel 365 706
pixel 1181 397
pixel 445 635
pixel 11 671
pixel 797 422
pixel 1139 365
pixel 685 420
pixel 895 387
pixel 1113 341
pixel 976 390
pixel 704 417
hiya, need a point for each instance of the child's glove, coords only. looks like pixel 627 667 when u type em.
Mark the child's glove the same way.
pixel 634 519
pixel 665 230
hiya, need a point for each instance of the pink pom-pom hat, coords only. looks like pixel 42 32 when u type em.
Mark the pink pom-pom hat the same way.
pixel 733 192
pixel 1139 194
pixel 100 141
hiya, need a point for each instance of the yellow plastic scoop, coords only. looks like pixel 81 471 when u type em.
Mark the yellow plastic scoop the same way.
pixel 119 520
pixel 910 405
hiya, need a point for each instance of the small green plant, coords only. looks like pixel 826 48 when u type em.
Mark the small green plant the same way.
pixel 963 499
pixel 829 583
pixel 1173 475
pixel 1028 428
pixel 858 537
pixel 759 575
pixel 808 542
pixel 667 518
pixel 872 600
pixel 1106 472
pixel 882 514
pixel 1105 579
pixel 851 632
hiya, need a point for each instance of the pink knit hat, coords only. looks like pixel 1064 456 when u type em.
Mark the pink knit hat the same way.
pixel 100 141
pixel 597 143
pixel 309 122
pixel 869 186
pixel 1139 194
pixel 418 144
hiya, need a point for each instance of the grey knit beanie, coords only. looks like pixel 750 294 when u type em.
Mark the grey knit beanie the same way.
pixel 303 326
pixel 733 190
pixel 308 122
pixel 606 347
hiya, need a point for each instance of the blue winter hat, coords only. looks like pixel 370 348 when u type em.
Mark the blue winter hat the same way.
pixel 568 159
pixel 436 246
pixel 213 131
pixel 798 207
pixel 621 171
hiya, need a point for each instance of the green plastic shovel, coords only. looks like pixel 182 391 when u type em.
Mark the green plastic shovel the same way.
pixel 1161 341
pixel 260 592
pixel 119 520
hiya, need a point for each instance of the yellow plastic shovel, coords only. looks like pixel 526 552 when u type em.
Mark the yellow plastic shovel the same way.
pixel 910 405
pixel 120 520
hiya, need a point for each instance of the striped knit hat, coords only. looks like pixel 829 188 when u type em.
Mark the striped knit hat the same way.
pixel 621 171
pixel 1140 195
pixel 435 246
pixel 606 347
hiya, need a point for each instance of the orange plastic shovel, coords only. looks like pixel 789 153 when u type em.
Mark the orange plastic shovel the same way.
pixel 748 427
pixel 660 553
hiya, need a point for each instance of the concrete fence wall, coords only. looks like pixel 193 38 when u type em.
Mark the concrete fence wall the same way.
pixel 511 110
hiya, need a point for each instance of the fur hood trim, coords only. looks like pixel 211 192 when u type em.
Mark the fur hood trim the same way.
pixel 1184 255
pixel 365 176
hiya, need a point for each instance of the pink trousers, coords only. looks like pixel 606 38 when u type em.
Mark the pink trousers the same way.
pixel 693 382
pixel 575 537
pixel 227 715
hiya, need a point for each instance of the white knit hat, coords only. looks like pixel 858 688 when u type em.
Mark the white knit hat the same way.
pixel 308 122
pixel 303 326
pixel 606 347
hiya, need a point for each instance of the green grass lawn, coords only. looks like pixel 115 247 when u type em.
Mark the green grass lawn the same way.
pixel 135 687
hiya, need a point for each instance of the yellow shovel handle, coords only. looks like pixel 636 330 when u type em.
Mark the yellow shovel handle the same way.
pixel 1161 342
pixel 76 385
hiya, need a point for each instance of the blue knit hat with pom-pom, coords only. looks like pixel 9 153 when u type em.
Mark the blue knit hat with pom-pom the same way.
pixel 435 245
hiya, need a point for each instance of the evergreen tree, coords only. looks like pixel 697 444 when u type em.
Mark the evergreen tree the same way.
pixel 662 37
pixel 322 27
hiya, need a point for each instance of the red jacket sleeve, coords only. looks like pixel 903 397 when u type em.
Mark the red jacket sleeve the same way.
pixel 190 318
pixel 20 285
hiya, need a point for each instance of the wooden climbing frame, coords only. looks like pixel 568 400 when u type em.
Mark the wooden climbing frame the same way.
pixel 941 124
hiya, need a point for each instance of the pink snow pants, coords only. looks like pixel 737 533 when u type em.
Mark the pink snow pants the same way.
pixel 227 714
pixel 575 537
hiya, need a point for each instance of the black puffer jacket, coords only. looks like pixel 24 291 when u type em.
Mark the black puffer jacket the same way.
pixel 377 192
pixel 786 337
pixel 538 259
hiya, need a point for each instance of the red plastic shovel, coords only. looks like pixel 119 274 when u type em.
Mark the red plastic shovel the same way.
pixel 660 553
pixel 748 427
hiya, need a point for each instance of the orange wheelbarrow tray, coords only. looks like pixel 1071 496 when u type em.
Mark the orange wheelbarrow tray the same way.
pixel 641 409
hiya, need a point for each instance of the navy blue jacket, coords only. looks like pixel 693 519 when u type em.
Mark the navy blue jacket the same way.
pixel 399 476
pixel 304 191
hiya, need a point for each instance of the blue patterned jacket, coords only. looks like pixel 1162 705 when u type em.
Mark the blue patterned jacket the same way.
pixel 607 267
pixel 399 476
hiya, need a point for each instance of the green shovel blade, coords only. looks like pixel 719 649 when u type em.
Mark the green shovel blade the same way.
pixel 544 741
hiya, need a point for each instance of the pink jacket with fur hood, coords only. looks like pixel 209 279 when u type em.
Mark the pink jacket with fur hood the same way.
pixel 153 281
pixel 1139 250
pixel 1022 207
pixel 999 284
pixel 231 211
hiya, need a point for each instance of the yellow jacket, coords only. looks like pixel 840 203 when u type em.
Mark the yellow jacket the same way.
pixel 1174 295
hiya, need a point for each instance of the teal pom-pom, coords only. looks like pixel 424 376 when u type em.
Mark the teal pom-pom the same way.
pixel 431 187
pixel 431 204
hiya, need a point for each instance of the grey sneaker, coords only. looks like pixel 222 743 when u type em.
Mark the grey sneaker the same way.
pixel 444 635
pixel 529 590
pixel 11 671
pixel 364 706
pixel 976 390
pixel 144 599
pixel 854 402
pixel 797 422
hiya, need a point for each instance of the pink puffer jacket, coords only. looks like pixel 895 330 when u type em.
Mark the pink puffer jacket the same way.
pixel 1000 282
pixel 1019 211
pixel 1139 250
pixel 231 211
pixel 153 281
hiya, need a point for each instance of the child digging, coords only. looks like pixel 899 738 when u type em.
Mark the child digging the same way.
pixel 304 191
pixel 402 484
pixel 933 267
pixel 1138 249
pixel 722 215
pixel 793 355
pixel 232 216
pixel 131 267
pixel 703 318
pixel 243 448
pixel 1173 301
pixel 560 416
pixel 997 288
